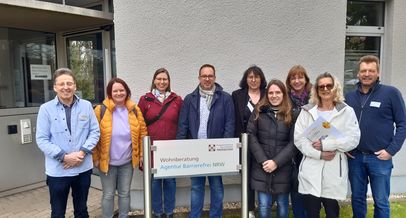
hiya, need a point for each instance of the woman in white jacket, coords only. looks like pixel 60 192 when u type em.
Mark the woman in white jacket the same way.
pixel 323 172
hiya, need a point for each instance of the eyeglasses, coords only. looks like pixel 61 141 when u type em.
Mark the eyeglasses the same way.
pixel 324 87
pixel 207 76
pixel 68 84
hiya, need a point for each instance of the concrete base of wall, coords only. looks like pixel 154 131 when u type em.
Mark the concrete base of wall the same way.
pixel 232 193
pixel 22 189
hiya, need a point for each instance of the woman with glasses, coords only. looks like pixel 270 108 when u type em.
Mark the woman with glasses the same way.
pixel 299 87
pixel 161 107
pixel 252 88
pixel 323 172
pixel 270 130
pixel 119 149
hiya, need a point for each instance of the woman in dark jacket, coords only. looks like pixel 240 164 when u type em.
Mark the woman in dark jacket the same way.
pixel 252 88
pixel 162 124
pixel 270 130
pixel 299 87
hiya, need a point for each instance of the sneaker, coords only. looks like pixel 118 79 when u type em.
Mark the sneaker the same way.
pixel 251 214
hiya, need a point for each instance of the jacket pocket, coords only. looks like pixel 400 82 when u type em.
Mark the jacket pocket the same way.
pixel 83 122
pixel 57 127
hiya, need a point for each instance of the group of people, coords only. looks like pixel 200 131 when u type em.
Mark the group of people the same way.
pixel 284 161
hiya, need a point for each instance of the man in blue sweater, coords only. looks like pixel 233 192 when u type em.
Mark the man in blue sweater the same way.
pixel 379 109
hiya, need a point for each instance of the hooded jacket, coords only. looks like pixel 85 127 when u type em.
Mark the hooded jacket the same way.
pixel 138 130
pixel 320 178
pixel 270 139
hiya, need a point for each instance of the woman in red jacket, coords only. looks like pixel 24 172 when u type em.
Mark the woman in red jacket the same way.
pixel 161 108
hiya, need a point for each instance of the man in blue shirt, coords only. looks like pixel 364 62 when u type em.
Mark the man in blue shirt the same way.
pixel 67 131
pixel 207 112
pixel 379 109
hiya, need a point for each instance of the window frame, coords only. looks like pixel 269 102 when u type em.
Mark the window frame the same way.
pixel 370 31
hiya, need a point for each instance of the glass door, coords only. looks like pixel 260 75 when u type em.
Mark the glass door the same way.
pixel 85 58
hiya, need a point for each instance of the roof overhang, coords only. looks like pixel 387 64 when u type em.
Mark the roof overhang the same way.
pixel 50 17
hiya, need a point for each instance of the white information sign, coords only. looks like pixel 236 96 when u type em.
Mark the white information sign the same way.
pixel 40 72
pixel 196 157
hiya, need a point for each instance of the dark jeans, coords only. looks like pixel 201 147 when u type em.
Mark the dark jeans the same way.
pixel 251 192
pixel 59 188
pixel 198 192
pixel 312 205
pixel 163 193
pixel 297 205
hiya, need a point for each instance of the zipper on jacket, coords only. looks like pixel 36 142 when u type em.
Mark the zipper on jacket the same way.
pixel 341 169
pixel 301 165
pixel 362 104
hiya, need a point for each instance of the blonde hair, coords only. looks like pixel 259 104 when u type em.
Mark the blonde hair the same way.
pixel 337 90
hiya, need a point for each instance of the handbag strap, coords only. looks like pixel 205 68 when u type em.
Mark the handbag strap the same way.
pixel 153 120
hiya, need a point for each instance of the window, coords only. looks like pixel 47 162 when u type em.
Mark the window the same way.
pixel 364 36
pixel 26 67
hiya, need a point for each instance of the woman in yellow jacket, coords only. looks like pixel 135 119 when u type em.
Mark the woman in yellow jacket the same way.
pixel 119 150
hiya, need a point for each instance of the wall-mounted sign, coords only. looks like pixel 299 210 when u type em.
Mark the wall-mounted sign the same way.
pixel 196 157
pixel 40 72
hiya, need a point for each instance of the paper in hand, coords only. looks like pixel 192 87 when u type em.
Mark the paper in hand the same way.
pixel 321 129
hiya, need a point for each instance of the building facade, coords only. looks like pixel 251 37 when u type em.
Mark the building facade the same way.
pixel 136 38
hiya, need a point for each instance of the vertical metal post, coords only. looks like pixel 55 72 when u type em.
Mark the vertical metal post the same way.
pixel 244 177
pixel 147 176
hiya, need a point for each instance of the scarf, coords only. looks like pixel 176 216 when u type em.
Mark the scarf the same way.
pixel 300 100
pixel 207 94
pixel 158 95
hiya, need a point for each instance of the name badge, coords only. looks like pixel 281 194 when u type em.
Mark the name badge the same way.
pixel 375 104
pixel 83 117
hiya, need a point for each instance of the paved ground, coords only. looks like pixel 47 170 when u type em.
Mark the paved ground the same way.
pixel 35 203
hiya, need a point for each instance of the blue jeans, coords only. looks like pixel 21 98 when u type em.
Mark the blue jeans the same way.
pixel 265 205
pixel 362 168
pixel 168 186
pixel 216 196
pixel 297 205
pixel 118 177
pixel 59 188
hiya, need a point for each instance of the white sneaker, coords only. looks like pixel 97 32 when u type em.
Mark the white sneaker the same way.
pixel 251 214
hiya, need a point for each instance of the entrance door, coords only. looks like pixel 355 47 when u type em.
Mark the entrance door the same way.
pixel 85 57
